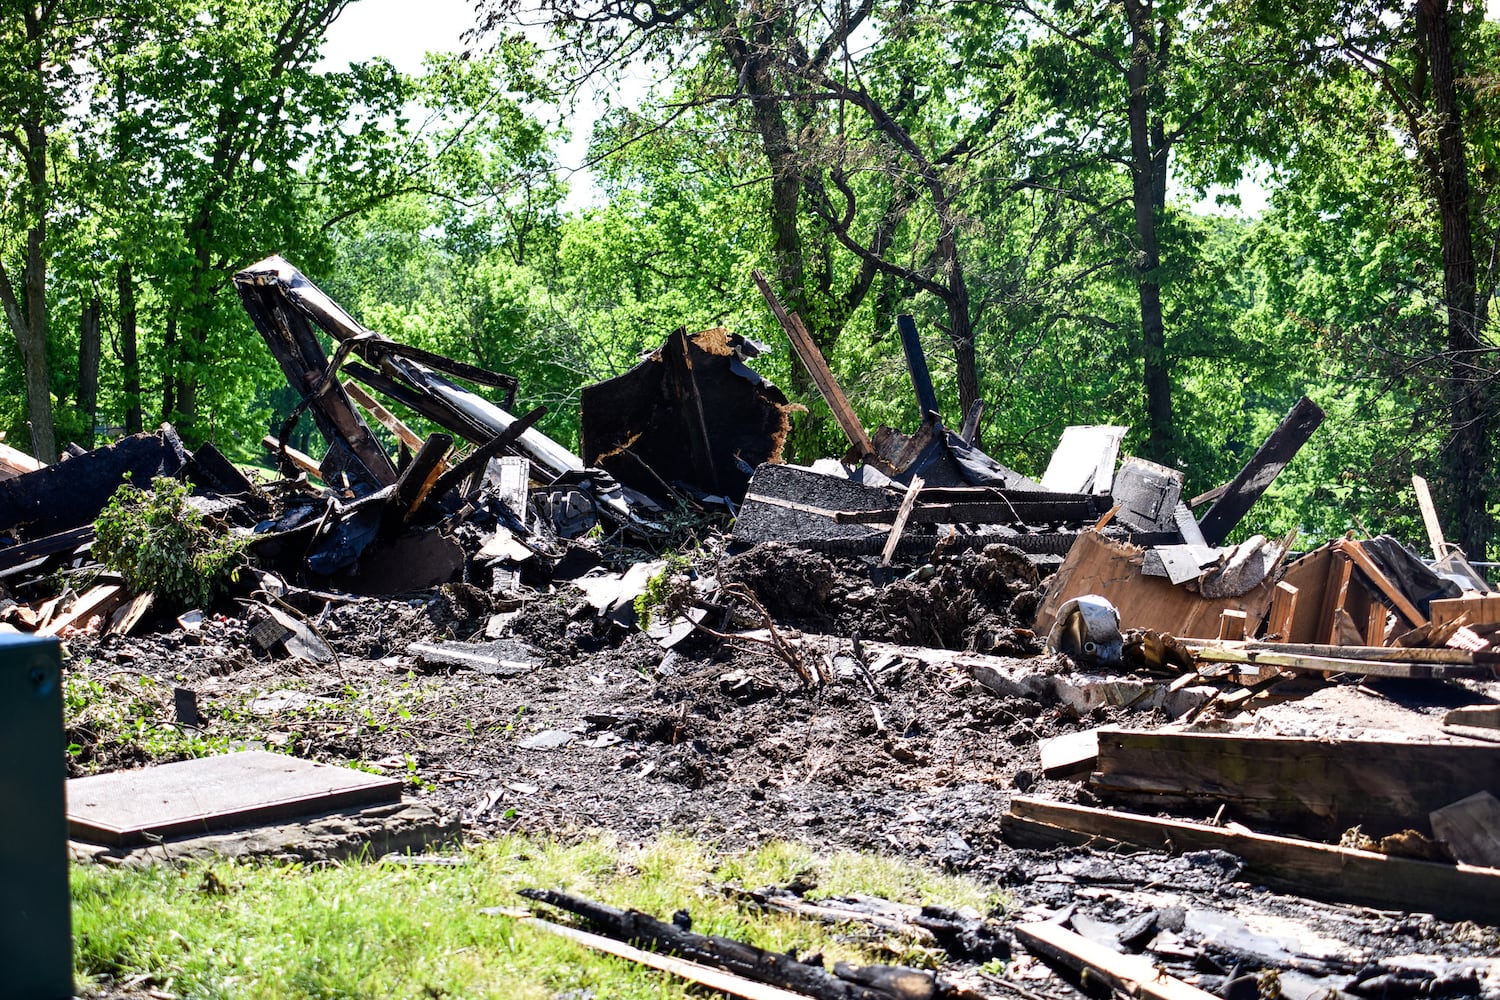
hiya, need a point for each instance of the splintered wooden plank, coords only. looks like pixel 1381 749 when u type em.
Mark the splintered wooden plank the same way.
pixel 1321 871
pixel 898 527
pixel 1131 975
pixel 1262 469
pixel 1308 786
pixel 817 367
pixel 214 793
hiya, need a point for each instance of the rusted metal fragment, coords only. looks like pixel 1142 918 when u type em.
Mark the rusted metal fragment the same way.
pixel 692 415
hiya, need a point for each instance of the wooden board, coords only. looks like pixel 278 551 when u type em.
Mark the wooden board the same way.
pixel 1429 517
pixel 214 793
pixel 1084 459
pixel 1481 609
pixel 1131 975
pixel 1310 787
pixel 1320 871
pixel 1096 565
pixel 817 367
pixel 1262 469
pixel 693 972
pixel 1071 755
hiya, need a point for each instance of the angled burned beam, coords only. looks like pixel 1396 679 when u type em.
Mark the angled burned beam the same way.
pixel 417 480
pixel 290 337
pixel 817 367
pixel 916 365
pixel 1262 469
pixel 441 400
pixel 480 457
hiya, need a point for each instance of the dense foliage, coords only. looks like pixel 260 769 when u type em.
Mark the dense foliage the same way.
pixel 1049 186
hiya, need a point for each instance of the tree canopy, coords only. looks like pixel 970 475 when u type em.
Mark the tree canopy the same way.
pixel 1048 186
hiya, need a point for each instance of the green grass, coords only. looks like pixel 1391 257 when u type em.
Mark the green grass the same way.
pixel 385 930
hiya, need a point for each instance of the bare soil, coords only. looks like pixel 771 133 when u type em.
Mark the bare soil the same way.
pixel 722 741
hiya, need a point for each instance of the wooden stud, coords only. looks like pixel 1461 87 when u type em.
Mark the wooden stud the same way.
pixel 1231 624
pixel 1283 610
pixel 1429 517
pixel 899 527
pixel 817 367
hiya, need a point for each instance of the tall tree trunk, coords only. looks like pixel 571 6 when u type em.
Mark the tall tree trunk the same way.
pixel 169 370
pixel 27 312
pixel 1148 190
pixel 88 368
pixel 1467 458
pixel 129 352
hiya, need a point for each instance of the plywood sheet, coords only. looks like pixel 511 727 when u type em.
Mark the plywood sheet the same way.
pixel 214 793
pixel 1096 565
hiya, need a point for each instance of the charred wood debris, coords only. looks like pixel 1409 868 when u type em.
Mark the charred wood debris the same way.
pixel 1137 582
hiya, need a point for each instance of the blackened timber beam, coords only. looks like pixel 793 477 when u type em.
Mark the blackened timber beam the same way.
pixel 817 367
pixel 916 365
pixel 1262 469
pixel 480 457
pixel 431 408
pixel 291 339
pixel 419 478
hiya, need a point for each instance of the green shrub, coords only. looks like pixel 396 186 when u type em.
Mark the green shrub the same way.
pixel 159 543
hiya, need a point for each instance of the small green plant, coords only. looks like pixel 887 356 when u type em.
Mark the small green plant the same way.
pixel 664 590
pixel 161 544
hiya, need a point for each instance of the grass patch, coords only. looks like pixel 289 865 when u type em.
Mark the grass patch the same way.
pixel 225 929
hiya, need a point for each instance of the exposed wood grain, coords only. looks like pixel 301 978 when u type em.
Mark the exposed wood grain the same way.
pixel 1470 829
pixel 1321 871
pixel 1131 975
pixel 817 367
pixel 1311 787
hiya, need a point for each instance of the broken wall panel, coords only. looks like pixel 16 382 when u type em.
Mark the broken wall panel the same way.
pixel 1113 570
pixel 691 412
pixel 71 494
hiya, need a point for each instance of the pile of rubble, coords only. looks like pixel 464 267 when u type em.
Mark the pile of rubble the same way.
pixel 1325 723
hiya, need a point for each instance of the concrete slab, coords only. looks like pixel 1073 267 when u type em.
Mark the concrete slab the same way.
pixel 214 793
pixel 404 827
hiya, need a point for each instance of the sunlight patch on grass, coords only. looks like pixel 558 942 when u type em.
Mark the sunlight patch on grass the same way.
pixel 238 930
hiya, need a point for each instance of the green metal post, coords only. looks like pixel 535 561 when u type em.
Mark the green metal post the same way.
pixel 36 948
